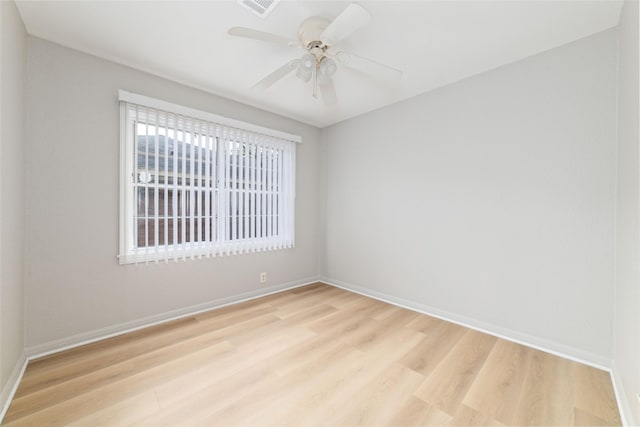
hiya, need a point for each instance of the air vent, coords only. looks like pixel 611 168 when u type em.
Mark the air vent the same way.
pixel 262 8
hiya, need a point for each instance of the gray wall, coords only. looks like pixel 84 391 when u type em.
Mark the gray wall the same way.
pixel 75 285
pixel 626 349
pixel 490 201
pixel 12 188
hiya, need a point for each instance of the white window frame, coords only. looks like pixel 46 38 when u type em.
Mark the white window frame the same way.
pixel 128 253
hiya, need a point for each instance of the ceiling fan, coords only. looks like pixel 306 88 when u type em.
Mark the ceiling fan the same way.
pixel 318 37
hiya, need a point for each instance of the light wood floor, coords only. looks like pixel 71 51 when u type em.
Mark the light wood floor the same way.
pixel 314 355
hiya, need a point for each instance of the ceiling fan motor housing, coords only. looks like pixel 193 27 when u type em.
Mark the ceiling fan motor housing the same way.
pixel 310 31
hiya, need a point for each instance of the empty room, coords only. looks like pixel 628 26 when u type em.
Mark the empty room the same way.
pixel 333 213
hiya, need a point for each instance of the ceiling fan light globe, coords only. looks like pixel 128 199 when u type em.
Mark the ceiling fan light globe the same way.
pixel 308 62
pixel 303 74
pixel 328 67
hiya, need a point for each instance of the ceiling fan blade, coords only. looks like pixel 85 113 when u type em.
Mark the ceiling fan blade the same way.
pixel 328 91
pixel 278 74
pixel 350 20
pixel 369 66
pixel 250 33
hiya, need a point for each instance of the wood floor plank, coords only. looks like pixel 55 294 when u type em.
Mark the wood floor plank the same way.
pixel 340 321
pixel 311 288
pixel 285 353
pixel 447 386
pixel 235 311
pixel 301 303
pixel 368 332
pixel 350 380
pixel 594 393
pixel 466 416
pixel 300 394
pixel 311 354
pixel 438 341
pixel 209 323
pixel 122 413
pixel 416 412
pixel 343 299
pixel 497 387
pixel 378 310
pixel 547 393
pixel 425 323
pixel 205 397
pixel 584 418
pixel 207 380
pixel 315 355
pixel 391 325
pixel 214 371
pixel 379 400
pixel 313 313
pixel 269 335
pixel 312 390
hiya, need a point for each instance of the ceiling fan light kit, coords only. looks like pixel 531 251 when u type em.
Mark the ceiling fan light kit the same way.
pixel 318 37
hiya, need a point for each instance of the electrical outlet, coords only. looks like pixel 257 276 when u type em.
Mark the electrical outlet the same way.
pixel 263 277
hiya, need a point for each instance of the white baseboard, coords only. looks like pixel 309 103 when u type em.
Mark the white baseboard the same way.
pixel 9 390
pixel 56 346
pixel 538 343
pixel 622 398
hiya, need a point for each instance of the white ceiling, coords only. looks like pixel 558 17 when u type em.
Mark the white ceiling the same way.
pixel 434 42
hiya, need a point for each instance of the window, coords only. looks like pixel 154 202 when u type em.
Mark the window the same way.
pixel 196 185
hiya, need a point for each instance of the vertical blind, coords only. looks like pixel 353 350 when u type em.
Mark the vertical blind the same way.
pixel 193 188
